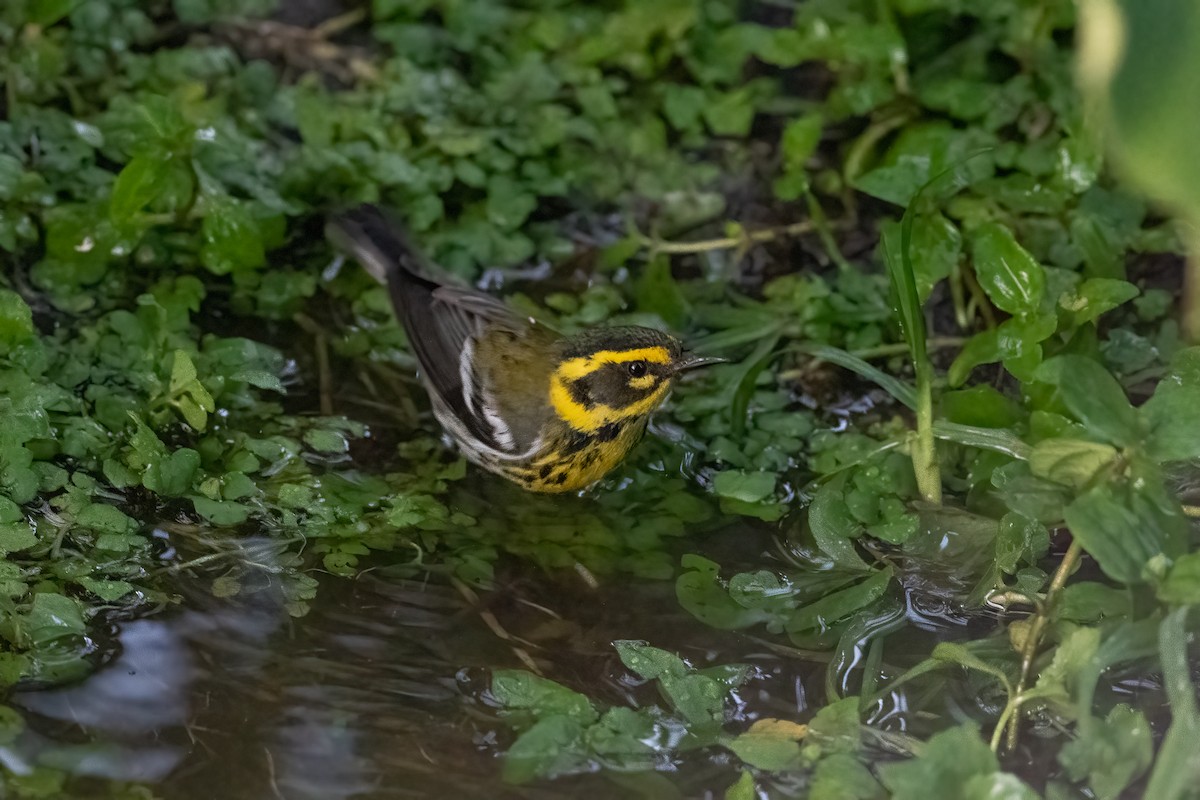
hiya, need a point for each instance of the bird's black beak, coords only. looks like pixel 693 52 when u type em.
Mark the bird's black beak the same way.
pixel 691 361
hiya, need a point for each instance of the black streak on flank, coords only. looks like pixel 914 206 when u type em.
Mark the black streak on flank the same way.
pixel 609 432
pixel 544 472
pixel 577 442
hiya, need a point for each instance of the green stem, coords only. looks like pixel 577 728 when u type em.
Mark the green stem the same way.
pixel 1033 638
pixel 725 243
pixel 924 451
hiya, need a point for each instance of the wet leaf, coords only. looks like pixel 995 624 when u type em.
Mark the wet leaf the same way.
pixel 1124 528
pixel 1094 397
pixel 770 744
pixel 1012 278
pixel 1111 754
pixel 516 690
pixel 1071 462
pixel 945 768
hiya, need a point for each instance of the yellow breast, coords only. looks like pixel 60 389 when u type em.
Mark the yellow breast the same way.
pixel 571 461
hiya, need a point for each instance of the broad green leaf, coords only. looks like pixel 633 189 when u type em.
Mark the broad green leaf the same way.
pixel 748 487
pixel 649 662
pixel 836 728
pixel 232 238
pixel 980 406
pixel 1125 528
pixel 948 762
pixel 139 182
pixel 835 606
pixel 16 320
pixel 1097 296
pixel 699 592
pixel 1111 754
pixel 52 616
pixel 550 746
pixel 1173 413
pixel 1181 585
pixel 833 528
pixel 106 590
pixel 841 776
pixel 770 744
pixel 517 690
pixel 1013 279
pixel 936 245
pixel 105 519
pixel 1094 397
pixel 1071 462
pixel 16 536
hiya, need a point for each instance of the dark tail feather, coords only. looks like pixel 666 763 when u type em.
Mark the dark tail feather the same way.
pixel 381 245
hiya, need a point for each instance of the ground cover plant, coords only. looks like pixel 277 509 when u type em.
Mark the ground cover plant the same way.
pixel 951 463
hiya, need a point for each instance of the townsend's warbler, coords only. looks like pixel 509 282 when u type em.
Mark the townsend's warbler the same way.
pixel 551 413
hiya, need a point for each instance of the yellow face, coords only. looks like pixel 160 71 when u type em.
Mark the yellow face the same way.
pixel 612 386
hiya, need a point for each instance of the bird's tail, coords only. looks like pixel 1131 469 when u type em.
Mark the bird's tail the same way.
pixel 380 244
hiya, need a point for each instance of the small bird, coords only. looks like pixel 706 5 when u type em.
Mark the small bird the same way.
pixel 551 413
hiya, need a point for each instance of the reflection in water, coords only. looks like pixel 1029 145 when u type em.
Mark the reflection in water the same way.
pixel 373 693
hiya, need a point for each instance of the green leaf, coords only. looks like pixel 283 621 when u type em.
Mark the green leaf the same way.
pixel 937 245
pixel 1182 583
pixel 700 593
pixel 947 763
pixel 220 512
pixel 16 536
pixel 105 519
pixel 1173 413
pixel 743 789
pixel 1094 397
pixel 838 605
pixel 1071 462
pixel 748 487
pixel 517 690
pixel 658 293
pixel 139 182
pixel 841 776
pixel 649 662
pixel 1177 770
pixel 836 728
pixel 1096 296
pixel 1013 279
pixel 770 744
pixel 952 653
pixel 1112 754
pixel 52 616
pixel 980 406
pixel 547 748
pixel 232 239
pixel 16 320
pixel 834 528
pixel 1125 528
pixel 108 591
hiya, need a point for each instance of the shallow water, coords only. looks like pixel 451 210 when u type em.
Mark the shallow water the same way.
pixel 380 691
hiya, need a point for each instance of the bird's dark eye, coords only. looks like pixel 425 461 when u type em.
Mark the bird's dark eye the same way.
pixel 637 368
